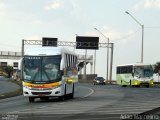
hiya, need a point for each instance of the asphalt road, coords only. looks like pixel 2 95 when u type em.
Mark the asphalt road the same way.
pixel 92 102
pixel 7 86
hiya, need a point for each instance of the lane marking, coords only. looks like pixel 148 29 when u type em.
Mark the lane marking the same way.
pixel 41 107
pixel 92 91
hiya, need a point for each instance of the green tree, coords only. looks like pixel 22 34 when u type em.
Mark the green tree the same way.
pixel 157 67
pixel 9 71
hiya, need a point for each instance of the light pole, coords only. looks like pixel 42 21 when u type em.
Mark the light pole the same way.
pixel 107 51
pixel 142 26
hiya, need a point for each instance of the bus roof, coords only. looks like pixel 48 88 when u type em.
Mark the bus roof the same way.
pixel 43 51
pixel 134 64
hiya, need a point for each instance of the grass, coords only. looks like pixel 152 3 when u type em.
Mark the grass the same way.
pixel 13 93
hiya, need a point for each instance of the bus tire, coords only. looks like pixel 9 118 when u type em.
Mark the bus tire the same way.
pixel 121 83
pixel 130 83
pixel 62 98
pixel 31 99
pixel 137 86
pixel 72 94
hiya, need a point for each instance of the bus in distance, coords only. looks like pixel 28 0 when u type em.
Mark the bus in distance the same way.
pixel 134 75
pixel 49 72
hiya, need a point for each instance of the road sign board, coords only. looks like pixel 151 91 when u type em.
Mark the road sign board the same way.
pixel 85 42
pixel 49 41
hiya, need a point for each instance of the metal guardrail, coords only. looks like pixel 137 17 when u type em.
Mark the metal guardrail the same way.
pixel 10 55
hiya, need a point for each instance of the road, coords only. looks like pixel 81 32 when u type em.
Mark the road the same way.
pixel 7 86
pixel 92 102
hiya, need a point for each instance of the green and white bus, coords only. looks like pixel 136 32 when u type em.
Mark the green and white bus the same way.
pixel 49 72
pixel 134 75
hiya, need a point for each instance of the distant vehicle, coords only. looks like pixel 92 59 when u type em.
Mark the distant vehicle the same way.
pixel 99 81
pixel 135 75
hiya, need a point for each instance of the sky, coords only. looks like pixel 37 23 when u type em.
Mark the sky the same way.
pixel 63 19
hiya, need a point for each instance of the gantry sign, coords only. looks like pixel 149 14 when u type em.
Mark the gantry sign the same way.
pixel 49 41
pixel 85 45
pixel 85 42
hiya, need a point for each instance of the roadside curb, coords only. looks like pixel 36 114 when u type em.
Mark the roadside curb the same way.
pixel 153 111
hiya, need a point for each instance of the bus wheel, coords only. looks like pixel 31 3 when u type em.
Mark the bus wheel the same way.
pixel 31 99
pixel 62 98
pixel 130 83
pixel 72 94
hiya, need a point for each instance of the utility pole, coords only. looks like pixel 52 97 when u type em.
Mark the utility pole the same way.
pixel 107 53
pixel 142 26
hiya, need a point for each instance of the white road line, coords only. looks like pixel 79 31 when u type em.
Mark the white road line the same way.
pixel 90 93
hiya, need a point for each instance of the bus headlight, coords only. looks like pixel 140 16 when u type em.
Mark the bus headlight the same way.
pixel 151 82
pixel 136 82
pixel 27 87
pixel 56 86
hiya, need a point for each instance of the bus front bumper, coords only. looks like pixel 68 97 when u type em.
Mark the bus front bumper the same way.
pixel 39 92
pixel 142 83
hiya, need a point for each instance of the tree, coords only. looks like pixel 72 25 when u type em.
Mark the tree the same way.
pixel 157 67
pixel 9 71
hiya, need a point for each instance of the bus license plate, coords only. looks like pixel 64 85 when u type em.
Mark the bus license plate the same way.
pixel 41 94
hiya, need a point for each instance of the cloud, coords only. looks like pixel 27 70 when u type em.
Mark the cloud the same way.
pixel 2 9
pixel 147 4
pixel 33 37
pixel 114 35
pixel 54 5
pixel 152 4
pixel 37 22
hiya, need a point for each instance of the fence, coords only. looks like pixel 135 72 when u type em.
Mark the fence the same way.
pixel 10 55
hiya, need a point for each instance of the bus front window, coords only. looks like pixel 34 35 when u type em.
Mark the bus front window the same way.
pixel 51 68
pixel 32 68
pixel 42 69
pixel 138 71
pixel 143 71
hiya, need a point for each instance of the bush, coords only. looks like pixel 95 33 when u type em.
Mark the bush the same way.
pixel 9 71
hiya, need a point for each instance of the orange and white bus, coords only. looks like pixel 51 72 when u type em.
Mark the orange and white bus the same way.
pixel 49 72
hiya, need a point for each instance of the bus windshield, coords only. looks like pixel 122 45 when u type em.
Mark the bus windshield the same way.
pixel 41 68
pixel 143 71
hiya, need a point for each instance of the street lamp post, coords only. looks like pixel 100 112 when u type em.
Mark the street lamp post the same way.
pixel 107 51
pixel 142 26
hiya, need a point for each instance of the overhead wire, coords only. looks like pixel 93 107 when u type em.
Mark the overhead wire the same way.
pixel 126 36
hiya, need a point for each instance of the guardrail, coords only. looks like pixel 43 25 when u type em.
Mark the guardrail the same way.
pixel 10 55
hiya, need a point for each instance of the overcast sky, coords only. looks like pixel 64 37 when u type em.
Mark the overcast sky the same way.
pixel 34 19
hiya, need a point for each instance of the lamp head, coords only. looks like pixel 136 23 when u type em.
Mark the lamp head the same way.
pixel 126 12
